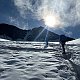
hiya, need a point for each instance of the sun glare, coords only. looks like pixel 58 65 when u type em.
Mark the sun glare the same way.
pixel 51 21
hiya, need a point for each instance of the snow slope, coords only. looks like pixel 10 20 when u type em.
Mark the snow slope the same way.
pixel 77 41
pixel 3 39
pixel 27 61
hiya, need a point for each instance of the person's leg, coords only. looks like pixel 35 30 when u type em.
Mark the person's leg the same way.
pixel 63 49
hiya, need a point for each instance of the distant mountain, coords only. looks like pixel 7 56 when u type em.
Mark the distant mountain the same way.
pixel 11 32
pixel 40 34
pixel 36 34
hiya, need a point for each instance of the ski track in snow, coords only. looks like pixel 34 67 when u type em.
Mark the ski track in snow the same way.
pixel 27 61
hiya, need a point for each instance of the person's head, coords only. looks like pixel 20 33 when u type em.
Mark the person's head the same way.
pixel 63 38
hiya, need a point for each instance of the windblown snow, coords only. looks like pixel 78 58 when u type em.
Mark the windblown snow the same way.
pixel 30 61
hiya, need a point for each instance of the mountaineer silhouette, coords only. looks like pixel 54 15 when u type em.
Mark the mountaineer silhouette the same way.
pixel 46 44
pixel 46 40
pixel 63 39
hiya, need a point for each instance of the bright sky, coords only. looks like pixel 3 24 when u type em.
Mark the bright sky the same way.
pixel 62 16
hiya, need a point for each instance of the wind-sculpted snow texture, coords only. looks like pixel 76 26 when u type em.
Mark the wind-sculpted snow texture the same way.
pixel 29 61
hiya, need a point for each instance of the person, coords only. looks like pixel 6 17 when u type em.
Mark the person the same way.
pixel 46 40
pixel 62 40
pixel 46 44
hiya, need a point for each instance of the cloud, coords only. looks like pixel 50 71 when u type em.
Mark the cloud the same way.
pixel 13 20
pixel 16 22
pixel 68 11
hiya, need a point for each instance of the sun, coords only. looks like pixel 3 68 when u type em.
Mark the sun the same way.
pixel 51 20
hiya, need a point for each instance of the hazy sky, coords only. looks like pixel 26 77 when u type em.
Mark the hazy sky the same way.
pixel 27 14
